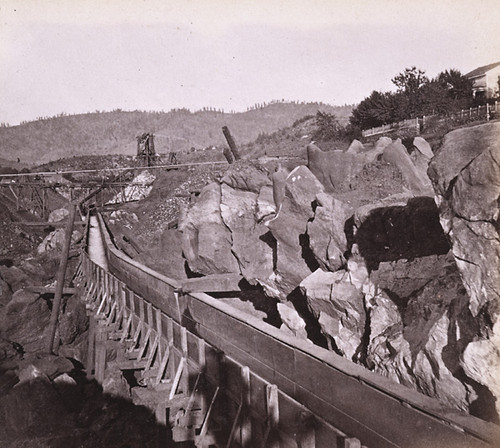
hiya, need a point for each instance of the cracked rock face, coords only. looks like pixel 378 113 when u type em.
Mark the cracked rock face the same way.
pixel 289 230
pixel 466 176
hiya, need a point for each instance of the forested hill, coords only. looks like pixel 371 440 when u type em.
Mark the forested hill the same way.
pixel 115 132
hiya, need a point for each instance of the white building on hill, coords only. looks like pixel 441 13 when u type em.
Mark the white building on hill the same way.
pixel 486 80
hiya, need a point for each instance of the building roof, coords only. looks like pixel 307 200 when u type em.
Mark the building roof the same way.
pixel 482 70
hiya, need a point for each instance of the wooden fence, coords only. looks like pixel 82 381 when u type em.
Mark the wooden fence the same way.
pixel 479 113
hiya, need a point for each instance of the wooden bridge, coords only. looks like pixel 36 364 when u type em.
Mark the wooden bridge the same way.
pixel 218 378
pixel 30 191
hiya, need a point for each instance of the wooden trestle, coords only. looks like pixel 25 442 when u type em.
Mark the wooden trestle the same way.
pixel 217 378
pixel 197 392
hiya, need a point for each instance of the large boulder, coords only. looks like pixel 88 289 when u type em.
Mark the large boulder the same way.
pixel 420 344
pixel 401 278
pixel 25 319
pixel 5 292
pixel 466 173
pixel 356 147
pixel 58 215
pixel 248 244
pixel 293 262
pixel 266 203
pixel 423 147
pixel 398 227
pixel 73 321
pixel 15 278
pixel 327 238
pixel 416 178
pixel 337 302
pixel 247 176
pixel 334 169
pixel 33 409
pixel 55 240
pixel 279 180
pixel 206 241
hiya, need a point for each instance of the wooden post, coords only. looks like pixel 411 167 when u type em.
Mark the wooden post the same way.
pixel 231 143
pixel 273 415
pixel 60 279
pixel 246 423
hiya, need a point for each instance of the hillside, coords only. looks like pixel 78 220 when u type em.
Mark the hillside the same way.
pixel 115 132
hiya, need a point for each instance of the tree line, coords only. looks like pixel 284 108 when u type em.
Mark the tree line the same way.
pixel 416 95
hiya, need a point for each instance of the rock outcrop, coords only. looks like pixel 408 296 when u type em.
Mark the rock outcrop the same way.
pixel 206 241
pixel 293 260
pixel 334 169
pixel 326 231
pixel 377 278
pixel 24 320
pixel 415 176
pixel 466 176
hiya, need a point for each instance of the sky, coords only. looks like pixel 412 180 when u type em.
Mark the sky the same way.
pixel 77 56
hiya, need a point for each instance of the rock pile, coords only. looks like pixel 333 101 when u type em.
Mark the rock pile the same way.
pixel 377 279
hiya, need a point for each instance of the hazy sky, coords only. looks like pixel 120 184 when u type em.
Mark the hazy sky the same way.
pixel 78 56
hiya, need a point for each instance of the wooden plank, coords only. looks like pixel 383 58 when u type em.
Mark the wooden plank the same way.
pixel 51 290
pixel 213 283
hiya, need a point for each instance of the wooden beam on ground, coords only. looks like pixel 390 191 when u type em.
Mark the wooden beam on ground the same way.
pixel 213 283
pixel 50 290
pixel 48 224
pixel 60 279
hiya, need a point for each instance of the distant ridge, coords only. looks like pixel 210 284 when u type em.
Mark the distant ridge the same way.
pixel 114 132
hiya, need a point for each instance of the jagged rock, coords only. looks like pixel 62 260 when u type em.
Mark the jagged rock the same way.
pixel 334 169
pixel 73 321
pixel 58 215
pixel 29 372
pixel 254 255
pixel 432 374
pixel 5 292
pixel 466 173
pixel 385 335
pixel 15 278
pixel 265 204
pixel 421 348
pixel 458 149
pixel 115 384
pixel 417 180
pixel 403 277
pixel 55 240
pixel 338 305
pixel 50 366
pixel 381 143
pixel 246 175
pixel 481 362
pixel 292 322
pixel 166 256
pixel 423 147
pixel 279 180
pixel 123 217
pixel 326 231
pixel 388 233
pixel 25 319
pixel 289 230
pixel 206 241
pixel 356 147
pixel 364 211
pixel 25 411
pixel 141 188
